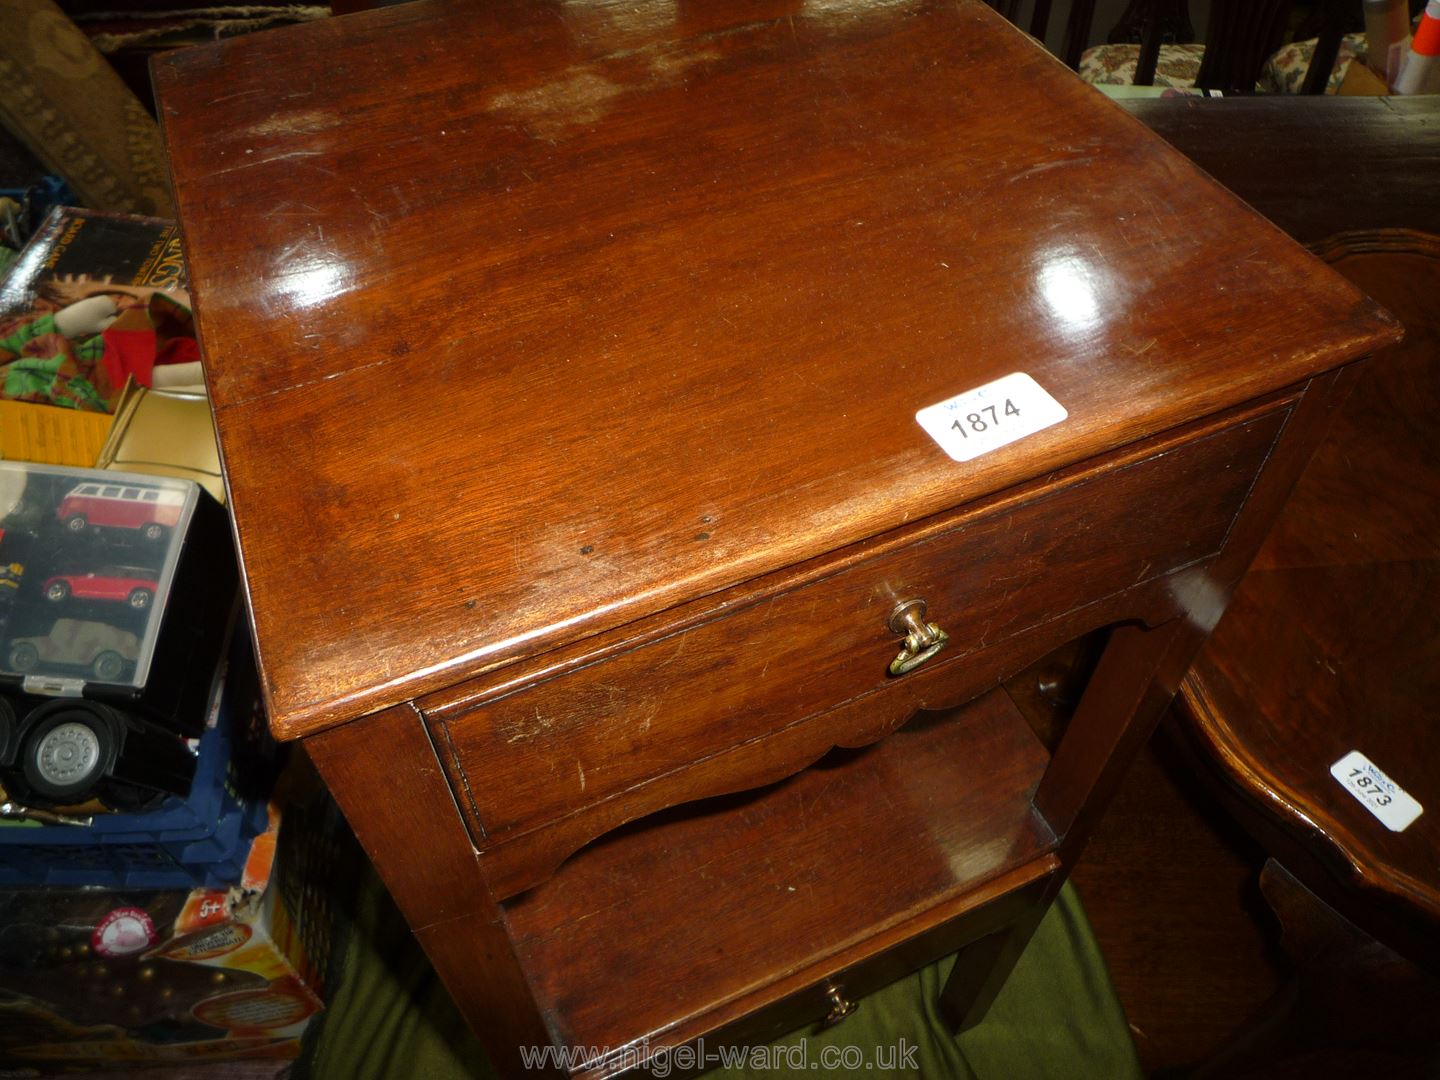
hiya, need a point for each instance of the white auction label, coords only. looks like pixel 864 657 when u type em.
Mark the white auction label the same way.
pixel 1384 798
pixel 990 416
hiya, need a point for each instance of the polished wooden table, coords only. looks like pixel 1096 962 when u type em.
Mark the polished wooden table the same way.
pixel 1329 645
pixel 569 366
pixel 1333 645
pixel 1350 567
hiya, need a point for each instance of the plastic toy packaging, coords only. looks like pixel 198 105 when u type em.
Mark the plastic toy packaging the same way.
pixel 115 595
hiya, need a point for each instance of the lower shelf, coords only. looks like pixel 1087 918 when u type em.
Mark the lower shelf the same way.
pixel 860 868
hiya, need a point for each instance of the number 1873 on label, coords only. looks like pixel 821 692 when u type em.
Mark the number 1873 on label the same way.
pixel 990 416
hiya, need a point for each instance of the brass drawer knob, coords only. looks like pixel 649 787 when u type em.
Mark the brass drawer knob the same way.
pixel 840 1006
pixel 922 640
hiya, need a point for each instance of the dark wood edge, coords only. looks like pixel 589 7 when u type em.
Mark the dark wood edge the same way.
pixel 1077 32
pixel 1202 707
pixel 1358 242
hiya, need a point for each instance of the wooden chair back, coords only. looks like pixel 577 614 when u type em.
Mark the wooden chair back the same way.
pixel 1242 35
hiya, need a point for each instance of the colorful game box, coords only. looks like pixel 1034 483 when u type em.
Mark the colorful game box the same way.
pixel 77 251
pixel 92 978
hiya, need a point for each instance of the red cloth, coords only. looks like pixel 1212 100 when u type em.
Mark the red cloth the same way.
pixel 129 352
pixel 162 333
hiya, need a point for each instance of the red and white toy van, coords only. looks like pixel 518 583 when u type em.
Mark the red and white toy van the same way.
pixel 155 511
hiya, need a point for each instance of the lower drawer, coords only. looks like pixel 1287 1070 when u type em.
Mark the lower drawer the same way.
pixel 871 864
pixel 523 758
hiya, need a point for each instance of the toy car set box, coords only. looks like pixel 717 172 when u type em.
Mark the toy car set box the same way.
pixel 116 591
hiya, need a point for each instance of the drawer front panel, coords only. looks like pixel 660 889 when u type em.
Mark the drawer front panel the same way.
pixel 538 753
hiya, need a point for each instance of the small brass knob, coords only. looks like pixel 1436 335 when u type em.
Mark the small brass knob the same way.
pixel 922 639
pixel 840 1006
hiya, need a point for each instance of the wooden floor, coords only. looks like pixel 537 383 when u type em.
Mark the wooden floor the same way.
pixel 1170 886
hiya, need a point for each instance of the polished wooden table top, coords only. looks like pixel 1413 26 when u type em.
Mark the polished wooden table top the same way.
pixel 524 321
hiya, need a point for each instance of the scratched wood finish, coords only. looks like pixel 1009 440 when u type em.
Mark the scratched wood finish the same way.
pixel 651 711
pixel 1331 644
pixel 537 334
pixel 474 353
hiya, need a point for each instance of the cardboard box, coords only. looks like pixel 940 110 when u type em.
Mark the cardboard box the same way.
pixel 47 435
pixel 81 307
pixel 164 434
pixel 92 979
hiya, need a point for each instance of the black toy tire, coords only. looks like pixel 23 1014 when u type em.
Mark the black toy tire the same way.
pixel 57 592
pixel 9 731
pixel 24 657
pixel 63 757
pixel 139 599
pixel 154 532
pixel 108 666
pixel 75 523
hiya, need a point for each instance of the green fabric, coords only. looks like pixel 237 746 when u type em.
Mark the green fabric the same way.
pixel 38 363
pixel 1057 1015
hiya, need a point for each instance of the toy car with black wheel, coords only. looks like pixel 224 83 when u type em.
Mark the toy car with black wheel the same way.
pixel 127 592
pixel 152 511
pixel 130 585
pixel 100 649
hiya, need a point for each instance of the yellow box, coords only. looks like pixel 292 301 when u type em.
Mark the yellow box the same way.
pixel 48 435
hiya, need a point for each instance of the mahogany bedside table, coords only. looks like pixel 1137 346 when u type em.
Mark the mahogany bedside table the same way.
pixel 624 405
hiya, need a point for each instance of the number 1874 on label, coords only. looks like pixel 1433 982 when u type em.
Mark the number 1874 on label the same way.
pixel 990 416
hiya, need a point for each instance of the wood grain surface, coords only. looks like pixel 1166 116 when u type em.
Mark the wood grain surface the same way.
pixel 526 755
pixel 1331 643
pixel 545 338
pixel 561 315
pixel 517 862
pixel 1350 163
pixel 837 883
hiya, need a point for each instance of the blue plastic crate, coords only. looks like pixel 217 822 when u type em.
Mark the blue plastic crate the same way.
pixel 199 840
